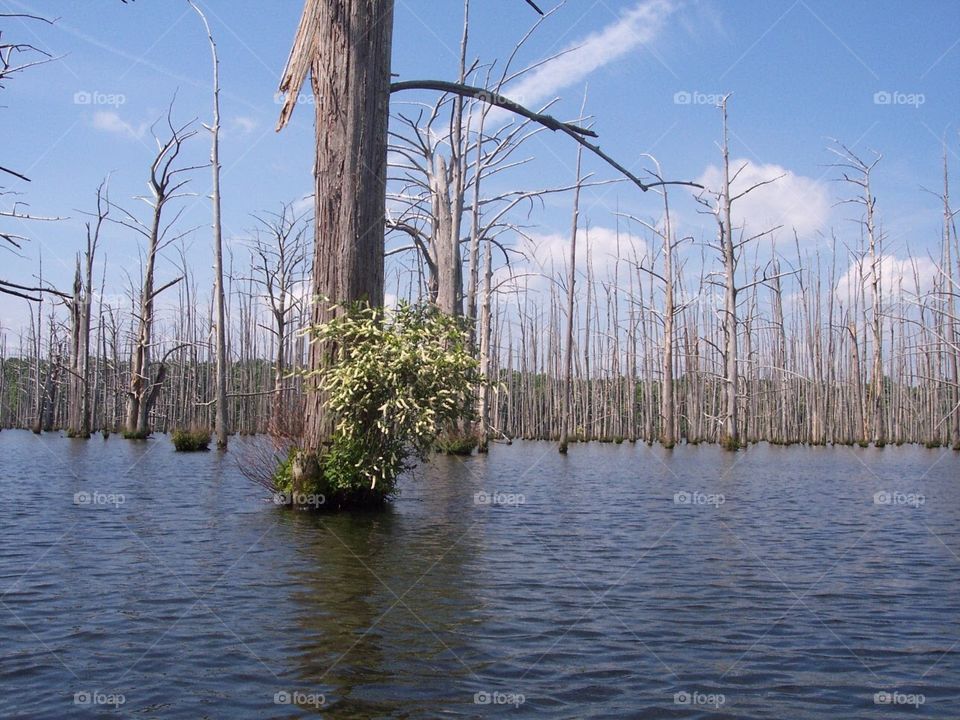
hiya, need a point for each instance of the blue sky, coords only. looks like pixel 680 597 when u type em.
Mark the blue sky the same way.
pixel 877 75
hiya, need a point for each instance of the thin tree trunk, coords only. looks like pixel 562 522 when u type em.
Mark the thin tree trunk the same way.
pixel 221 426
pixel 571 291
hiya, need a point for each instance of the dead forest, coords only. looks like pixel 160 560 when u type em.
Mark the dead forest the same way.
pixel 743 334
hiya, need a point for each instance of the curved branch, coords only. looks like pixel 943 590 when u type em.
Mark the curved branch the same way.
pixel 574 131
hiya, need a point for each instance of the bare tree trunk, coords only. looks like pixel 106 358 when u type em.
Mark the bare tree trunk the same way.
pixel 221 425
pixel 667 404
pixel 730 436
pixel 953 341
pixel 571 293
pixel 485 350
pixel 779 358
pixel 75 379
pixel 346 47
pixel 38 406
pixel 446 241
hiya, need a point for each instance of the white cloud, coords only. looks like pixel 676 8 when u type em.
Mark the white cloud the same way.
pixel 553 251
pixel 111 122
pixel 794 201
pixel 899 278
pixel 245 125
pixel 635 27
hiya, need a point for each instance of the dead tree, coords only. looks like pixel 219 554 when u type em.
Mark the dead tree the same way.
pixel 857 172
pixel 221 423
pixel 345 47
pixel 729 251
pixel 571 294
pixel 668 246
pixel 278 258
pixel 165 183
pixel 953 340
pixel 80 310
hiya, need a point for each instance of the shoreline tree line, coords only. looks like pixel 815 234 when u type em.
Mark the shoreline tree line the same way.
pixel 751 335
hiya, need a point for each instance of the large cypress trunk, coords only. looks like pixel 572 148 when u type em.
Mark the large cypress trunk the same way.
pixel 345 44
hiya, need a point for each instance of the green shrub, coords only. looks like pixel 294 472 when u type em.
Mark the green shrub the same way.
pixel 134 435
pixel 190 440
pixel 398 378
pixel 282 477
pixel 453 442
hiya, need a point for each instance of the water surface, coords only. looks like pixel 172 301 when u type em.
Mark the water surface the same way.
pixel 617 582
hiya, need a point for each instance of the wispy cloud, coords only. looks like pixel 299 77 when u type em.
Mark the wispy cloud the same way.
pixel 634 28
pixel 111 122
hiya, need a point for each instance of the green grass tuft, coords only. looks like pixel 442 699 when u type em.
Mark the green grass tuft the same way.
pixel 190 440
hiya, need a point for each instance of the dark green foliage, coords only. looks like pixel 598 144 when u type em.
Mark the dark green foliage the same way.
pixel 456 443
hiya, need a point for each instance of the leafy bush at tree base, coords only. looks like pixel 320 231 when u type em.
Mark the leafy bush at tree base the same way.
pixel 398 378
